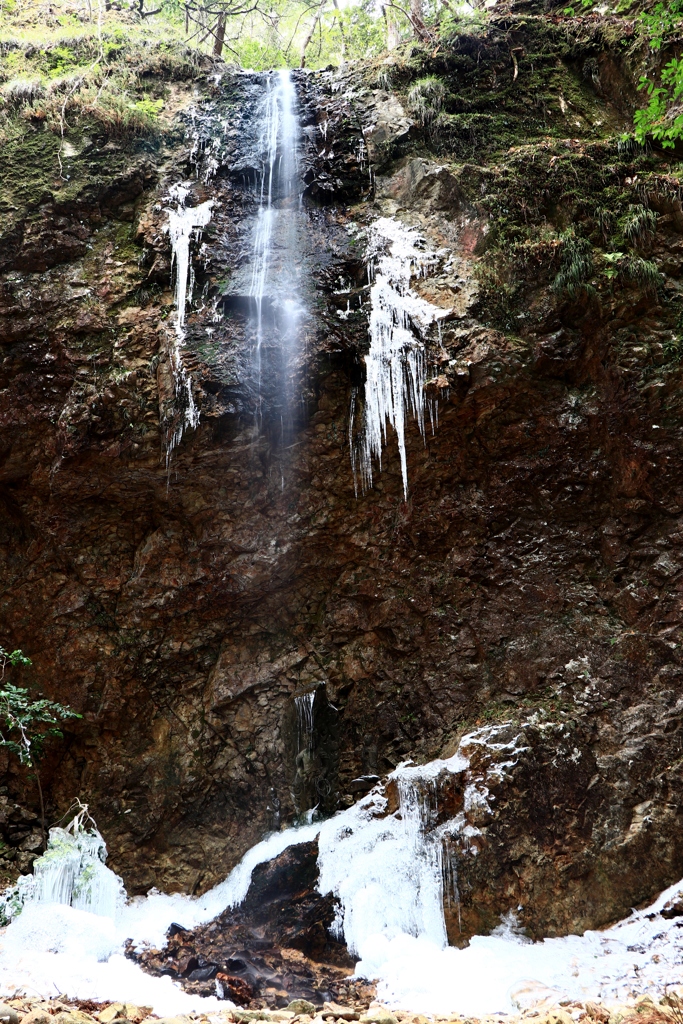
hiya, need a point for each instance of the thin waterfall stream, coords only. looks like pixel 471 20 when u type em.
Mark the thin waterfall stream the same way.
pixel 275 286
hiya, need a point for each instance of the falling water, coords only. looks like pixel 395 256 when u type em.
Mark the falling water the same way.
pixel 274 285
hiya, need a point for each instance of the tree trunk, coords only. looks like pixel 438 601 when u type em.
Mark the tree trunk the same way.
pixel 393 33
pixel 219 36
pixel 309 35
pixel 417 18
pixel 341 31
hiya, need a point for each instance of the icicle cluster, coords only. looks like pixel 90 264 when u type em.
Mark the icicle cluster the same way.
pixel 72 871
pixel 304 721
pixel 396 365
pixel 184 224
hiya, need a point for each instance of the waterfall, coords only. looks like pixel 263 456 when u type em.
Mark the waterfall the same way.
pixel 396 363
pixel 274 286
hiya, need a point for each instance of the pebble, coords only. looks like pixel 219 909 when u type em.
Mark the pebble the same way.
pixel 8 1015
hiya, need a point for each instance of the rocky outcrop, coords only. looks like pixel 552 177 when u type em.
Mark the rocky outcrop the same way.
pixel 181 607
pixel 274 948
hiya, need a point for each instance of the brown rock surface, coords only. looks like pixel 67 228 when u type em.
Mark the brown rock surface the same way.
pixel 536 565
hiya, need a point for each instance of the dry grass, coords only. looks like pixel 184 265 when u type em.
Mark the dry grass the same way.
pixel 61 65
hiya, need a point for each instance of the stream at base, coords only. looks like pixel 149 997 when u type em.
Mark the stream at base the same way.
pixel 387 872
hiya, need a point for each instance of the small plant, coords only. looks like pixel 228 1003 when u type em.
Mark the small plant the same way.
pixel 613 260
pixel 26 723
pixel 425 99
pixel 576 266
pixel 643 272
pixel 639 225
pixel 605 220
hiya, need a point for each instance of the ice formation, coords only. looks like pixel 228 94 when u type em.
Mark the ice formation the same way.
pixel 67 946
pixel 72 871
pixel 304 720
pixel 184 224
pixel 388 872
pixel 396 365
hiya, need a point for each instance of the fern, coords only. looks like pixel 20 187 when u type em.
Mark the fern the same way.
pixel 642 272
pixel 639 225
pixel 576 267
pixel 605 220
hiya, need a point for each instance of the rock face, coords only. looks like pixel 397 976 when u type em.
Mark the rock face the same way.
pixel 182 607
pixel 272 949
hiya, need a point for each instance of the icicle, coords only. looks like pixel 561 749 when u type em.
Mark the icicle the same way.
pixel 304 721
pixel 72 871
pixel 184 224
pixel 396 362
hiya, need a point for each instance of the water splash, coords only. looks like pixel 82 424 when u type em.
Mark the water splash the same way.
pixel 396 361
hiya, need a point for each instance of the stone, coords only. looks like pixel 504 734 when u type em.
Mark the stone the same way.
pixel 340 1012
pixel 111 1012
pixel 38 1015
pixel 72 1016
pixel 8 1015
pixel 301 1006
pixel 378 1016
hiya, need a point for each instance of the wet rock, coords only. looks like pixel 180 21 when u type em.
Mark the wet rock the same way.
pixel 673 907
pixel 275 946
